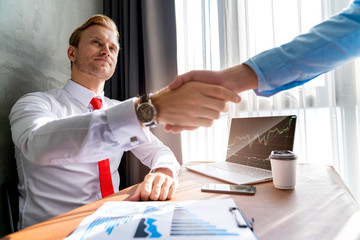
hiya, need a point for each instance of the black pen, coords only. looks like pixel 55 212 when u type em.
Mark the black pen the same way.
pixel 240 218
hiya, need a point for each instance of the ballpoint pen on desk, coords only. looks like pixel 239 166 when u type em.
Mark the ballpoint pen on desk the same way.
pixel 241 219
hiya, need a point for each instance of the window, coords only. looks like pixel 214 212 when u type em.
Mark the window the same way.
pixel 215 34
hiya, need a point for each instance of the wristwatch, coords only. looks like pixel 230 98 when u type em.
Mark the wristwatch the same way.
pixel 146 111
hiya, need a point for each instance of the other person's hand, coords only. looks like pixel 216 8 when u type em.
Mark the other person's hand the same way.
pixel 237 78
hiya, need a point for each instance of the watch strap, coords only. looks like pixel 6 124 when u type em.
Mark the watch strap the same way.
pixel 145 98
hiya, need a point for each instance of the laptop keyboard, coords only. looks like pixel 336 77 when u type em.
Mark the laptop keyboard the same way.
pixel 249 171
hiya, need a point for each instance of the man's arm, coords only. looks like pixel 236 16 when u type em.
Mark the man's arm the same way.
pixel 161 182
pixel 237 78
pixel 326 46
pixel 192 105
pixel 47 137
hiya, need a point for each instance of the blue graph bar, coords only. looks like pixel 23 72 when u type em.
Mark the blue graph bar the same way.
pixel 185 223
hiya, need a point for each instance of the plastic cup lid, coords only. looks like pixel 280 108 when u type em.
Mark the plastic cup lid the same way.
pixel 283 155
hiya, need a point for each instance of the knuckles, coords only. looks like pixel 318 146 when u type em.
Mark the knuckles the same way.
pixel 208 123
pixel 223 107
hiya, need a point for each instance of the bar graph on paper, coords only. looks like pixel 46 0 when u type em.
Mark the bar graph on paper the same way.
pixel 186 223
pixel 162 220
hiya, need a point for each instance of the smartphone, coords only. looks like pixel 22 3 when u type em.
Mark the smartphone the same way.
pixel 229 188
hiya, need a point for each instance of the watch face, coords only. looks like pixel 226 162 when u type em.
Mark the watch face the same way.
pixel 145 112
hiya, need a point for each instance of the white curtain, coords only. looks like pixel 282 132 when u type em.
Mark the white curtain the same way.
pixel 215 34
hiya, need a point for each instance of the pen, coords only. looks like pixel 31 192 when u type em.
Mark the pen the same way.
pixel 240 218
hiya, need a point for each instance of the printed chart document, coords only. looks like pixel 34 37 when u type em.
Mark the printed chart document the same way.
pixel 200 219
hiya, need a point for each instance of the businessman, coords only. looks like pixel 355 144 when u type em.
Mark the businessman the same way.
pixel 69 141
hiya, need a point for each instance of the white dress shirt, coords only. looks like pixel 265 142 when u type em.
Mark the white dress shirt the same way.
pixel 59 141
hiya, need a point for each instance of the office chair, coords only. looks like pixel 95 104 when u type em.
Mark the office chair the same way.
pixel 10 201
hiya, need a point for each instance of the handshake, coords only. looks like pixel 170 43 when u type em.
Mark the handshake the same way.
pixel 195 99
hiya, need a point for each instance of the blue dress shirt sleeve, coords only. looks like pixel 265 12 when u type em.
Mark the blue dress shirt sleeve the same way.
pixel 323 48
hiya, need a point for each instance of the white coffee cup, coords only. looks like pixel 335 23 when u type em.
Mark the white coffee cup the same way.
pixel 283 167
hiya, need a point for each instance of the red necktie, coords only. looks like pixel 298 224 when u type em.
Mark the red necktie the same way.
pixel 104 165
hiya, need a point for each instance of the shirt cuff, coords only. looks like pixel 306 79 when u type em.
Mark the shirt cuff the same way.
pixel 125 125
pixel 262 84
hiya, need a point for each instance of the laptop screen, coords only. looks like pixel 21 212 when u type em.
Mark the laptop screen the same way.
pixel 251 140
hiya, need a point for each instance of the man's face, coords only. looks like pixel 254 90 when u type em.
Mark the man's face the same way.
pixel 97 52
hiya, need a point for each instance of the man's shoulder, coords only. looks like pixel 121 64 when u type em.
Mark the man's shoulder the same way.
pixel 46 98
pixel 53 93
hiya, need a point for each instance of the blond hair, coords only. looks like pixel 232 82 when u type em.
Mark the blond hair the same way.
pixel 97 19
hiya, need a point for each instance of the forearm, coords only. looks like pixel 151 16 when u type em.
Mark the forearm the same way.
pixel 156 155
pixel 46 138
pixel 239 78
pixel 323 48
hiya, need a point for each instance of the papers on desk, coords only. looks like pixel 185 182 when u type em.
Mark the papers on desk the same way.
pixel 202 219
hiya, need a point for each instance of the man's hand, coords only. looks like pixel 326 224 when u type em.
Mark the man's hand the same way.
pixel 192 105
pixel 156 186
pixel 238 78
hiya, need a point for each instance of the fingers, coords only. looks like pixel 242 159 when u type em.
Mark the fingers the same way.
pixel 172 190
pixel 144 189
pixel 177 129
pixel 136 196
pixel 156 186
pixel 205 76
pixel 221 93
pixel 237 78
pixel 164 187
pixel 180 80
pixel 176 83
pixel 192 105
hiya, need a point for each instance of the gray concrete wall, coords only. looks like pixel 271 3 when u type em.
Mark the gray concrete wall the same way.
pixel 33 57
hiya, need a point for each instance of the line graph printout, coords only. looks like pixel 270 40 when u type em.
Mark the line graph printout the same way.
pixel 202 219
pixel 251 140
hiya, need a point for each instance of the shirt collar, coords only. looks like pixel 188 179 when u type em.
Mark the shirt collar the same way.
pixel 81 93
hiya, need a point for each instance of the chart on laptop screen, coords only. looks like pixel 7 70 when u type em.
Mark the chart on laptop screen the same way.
pixel 251 140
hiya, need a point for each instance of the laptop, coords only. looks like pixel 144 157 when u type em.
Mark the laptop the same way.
pixel 250 143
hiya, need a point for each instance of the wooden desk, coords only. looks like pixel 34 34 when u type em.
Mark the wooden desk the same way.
pixel 320 207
